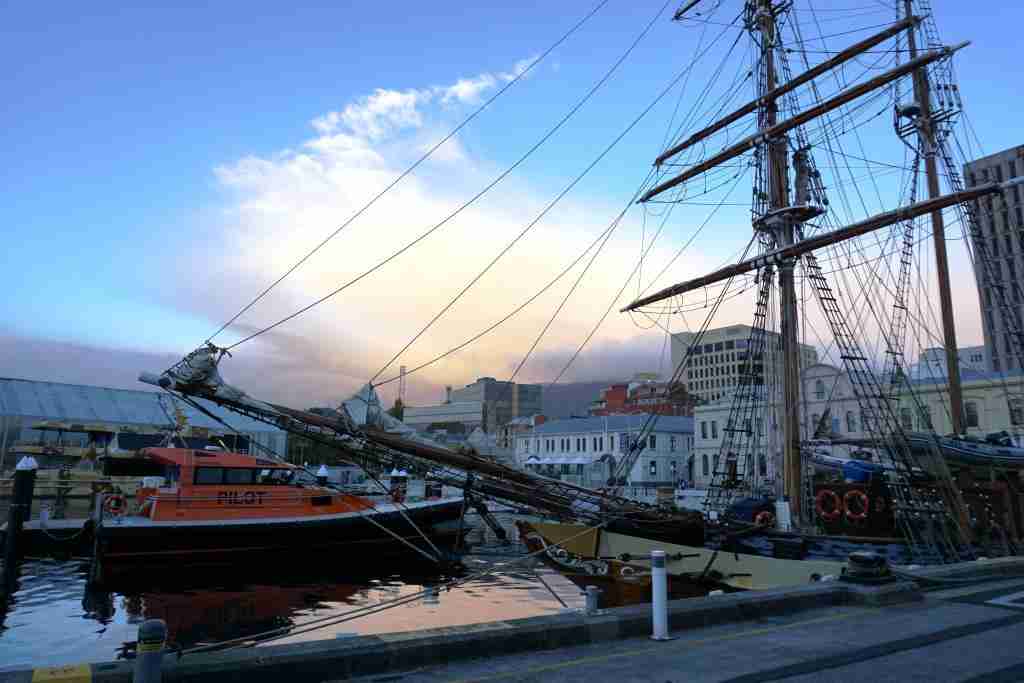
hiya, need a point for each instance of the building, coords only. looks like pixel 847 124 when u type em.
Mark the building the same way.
pixel 513 428
pixel 993 402
pixel 1001 239
pixel 73 416
pixel 585 451
pixel 502 401
pixel 715 364
pixel 970 357
pixel 647 396
pixel 469 415
pixel 828 407
pixel 486 403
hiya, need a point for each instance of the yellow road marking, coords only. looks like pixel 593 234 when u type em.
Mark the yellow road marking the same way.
pixel 656 648
pixel 71 673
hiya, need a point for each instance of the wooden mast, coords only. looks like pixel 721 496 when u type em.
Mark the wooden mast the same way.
pixel 784 233
pixel 926 138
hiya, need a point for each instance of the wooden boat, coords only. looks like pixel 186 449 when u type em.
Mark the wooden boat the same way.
pixel 620 564
pixel 212 504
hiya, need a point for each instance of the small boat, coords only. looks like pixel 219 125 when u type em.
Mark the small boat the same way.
pixel 211 504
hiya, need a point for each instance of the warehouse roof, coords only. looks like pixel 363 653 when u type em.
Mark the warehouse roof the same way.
pixel 83 403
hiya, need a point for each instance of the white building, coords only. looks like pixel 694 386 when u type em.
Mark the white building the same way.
pixel 714 367
pixel 970 358
pixel 585 451
pixel 826 392
pixel 469 414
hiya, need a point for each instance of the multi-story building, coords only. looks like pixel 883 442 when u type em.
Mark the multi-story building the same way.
pixel 1001 227
pixel 502 401
pixel 714 367
pixel 486 403
pixel 469 414
pixel 970 357
pixel 648 396
pixel 585 451
pixel 828 407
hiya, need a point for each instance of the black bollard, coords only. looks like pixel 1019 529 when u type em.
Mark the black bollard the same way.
pixel 149 651
pixel 18 513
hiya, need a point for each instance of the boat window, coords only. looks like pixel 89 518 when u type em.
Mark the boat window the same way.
pixel 275 476
pixel 209 475
pixel 237 475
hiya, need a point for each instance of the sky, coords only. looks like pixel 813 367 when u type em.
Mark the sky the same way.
pixel 165 164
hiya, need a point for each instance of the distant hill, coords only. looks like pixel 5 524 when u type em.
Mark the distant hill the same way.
pixel 572 398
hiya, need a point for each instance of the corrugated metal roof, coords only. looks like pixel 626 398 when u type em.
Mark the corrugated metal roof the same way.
pixel 55 401
pixel 615 423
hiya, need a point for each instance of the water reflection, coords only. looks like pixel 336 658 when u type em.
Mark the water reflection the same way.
pixel 53 618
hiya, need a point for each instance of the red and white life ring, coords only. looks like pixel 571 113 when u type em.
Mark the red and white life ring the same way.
pixel 764 518
pixel 865 505
pixel 831 513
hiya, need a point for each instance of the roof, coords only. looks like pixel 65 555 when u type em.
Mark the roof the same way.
pixel 189 456
pixel 84 403
pixel 615 423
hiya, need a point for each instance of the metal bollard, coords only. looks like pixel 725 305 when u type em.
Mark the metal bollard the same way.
pixel 149 651
pixel 18 513
pixel 593 593
pixel 659 595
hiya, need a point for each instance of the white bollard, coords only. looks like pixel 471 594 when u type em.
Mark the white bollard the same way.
pixel 593 595
pixel 659 595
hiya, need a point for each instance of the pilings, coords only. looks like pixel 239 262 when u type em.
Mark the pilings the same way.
pixel 17 515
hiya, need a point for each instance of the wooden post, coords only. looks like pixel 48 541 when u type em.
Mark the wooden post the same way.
pixel 17 514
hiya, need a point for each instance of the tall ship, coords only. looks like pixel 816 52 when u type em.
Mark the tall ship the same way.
pixel 843 130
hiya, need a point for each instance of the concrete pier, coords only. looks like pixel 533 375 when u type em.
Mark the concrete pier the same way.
pixel 962 623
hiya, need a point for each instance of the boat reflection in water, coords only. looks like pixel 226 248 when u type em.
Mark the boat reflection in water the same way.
pixel 53 618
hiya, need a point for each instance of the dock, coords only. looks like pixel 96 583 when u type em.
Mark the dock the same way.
pixel 957 622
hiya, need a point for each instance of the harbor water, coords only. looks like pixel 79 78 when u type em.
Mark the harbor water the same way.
pixel 54 618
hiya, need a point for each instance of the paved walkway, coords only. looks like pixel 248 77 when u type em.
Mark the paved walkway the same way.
pixel 967 634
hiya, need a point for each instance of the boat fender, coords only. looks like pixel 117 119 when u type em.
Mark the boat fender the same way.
pixel 115 505
pixel 865 505
pixel 834 510
pixel 764 518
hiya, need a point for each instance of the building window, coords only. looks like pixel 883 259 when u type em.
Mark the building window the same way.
pixel 611 442
pixel 596 447
pixel 714 429
pixel 819 390
pixel 703 430
pixel 672 444
pixel 1016 411
pixel 851 421
pixel 652 442
pixel 762 465
pixel 906 418
pixel 704 464
pixel 565 469
pixel 652 469
pixel 971 413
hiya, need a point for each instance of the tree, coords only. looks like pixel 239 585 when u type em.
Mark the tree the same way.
pixel 397 410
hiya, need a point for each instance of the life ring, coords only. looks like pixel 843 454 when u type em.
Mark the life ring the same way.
pixel 115 505
pixel 764 518
pixel 865 505
pixel 836 508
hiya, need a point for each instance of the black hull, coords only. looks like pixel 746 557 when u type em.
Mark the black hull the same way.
pixel 351 533
pixel 353 539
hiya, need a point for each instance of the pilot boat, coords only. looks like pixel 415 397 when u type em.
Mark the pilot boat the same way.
pixel 211 504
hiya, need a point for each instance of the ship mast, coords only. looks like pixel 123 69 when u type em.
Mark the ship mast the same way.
pixel 926 139
pixel 783 232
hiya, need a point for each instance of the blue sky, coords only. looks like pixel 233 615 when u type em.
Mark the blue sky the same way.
pixel 116 119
